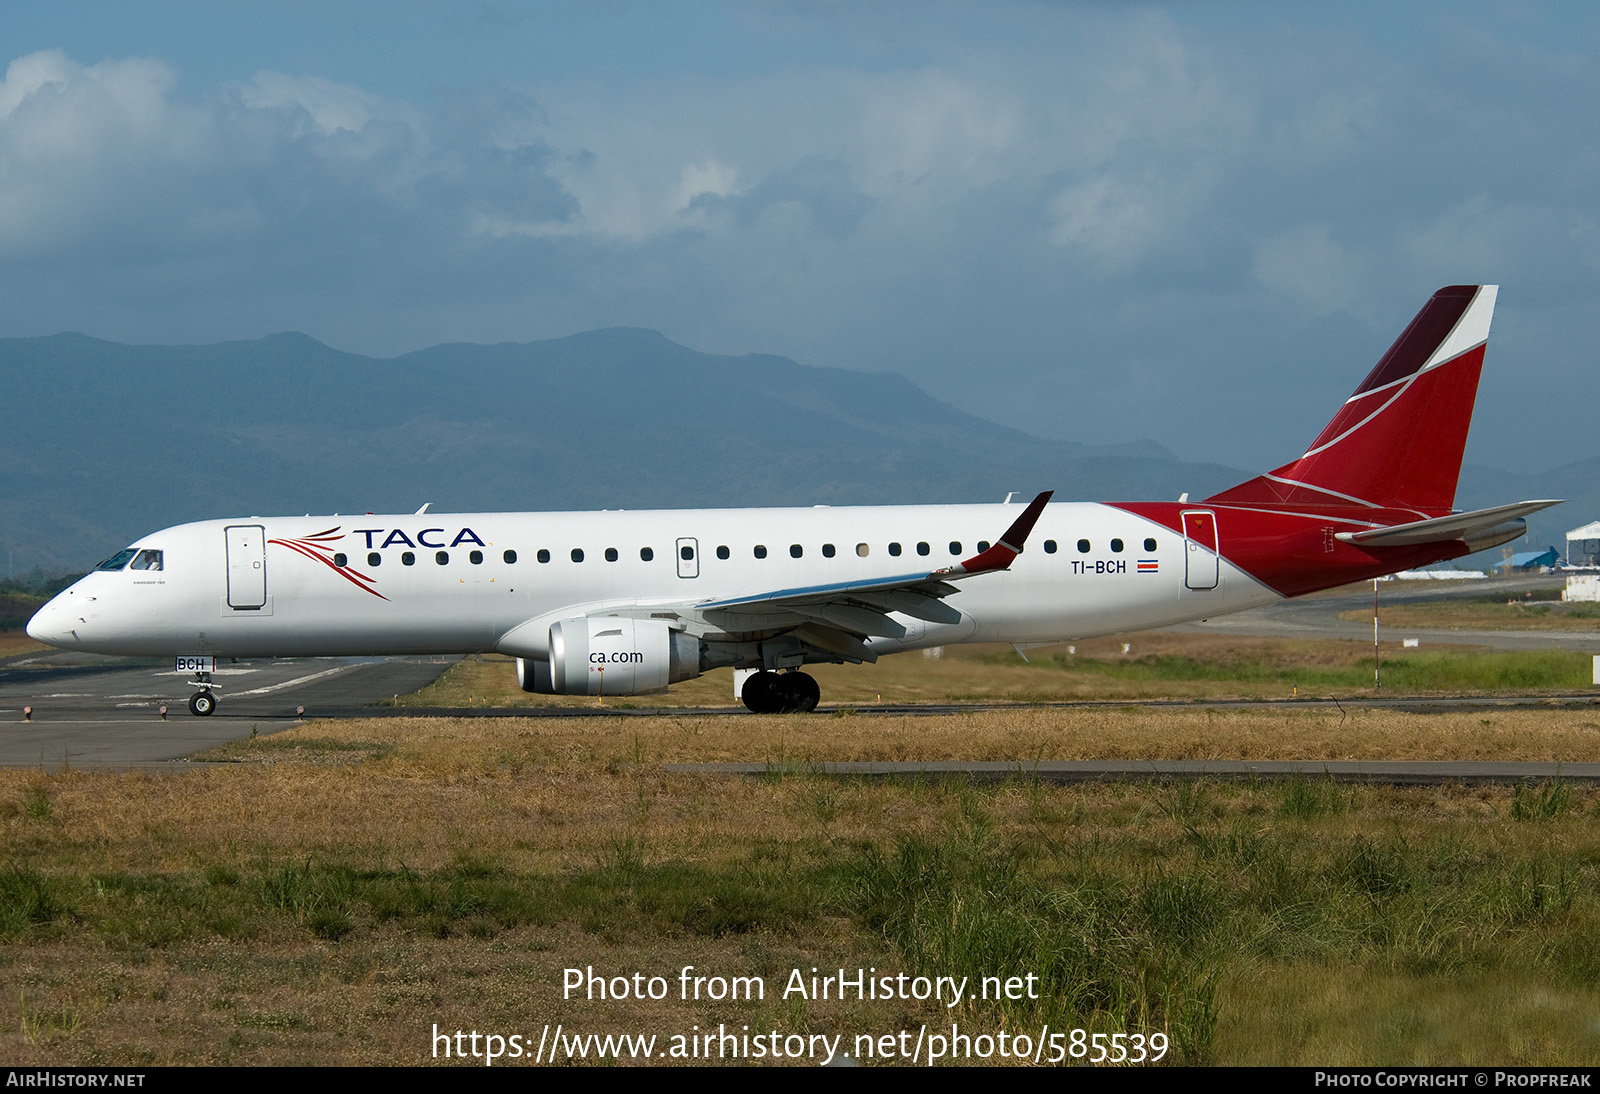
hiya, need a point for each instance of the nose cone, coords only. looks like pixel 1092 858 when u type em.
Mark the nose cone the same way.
pixel 52 625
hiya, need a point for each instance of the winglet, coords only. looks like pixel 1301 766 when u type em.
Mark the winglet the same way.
pixel 1001 555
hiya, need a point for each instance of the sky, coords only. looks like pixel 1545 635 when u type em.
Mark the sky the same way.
pixel 1198 223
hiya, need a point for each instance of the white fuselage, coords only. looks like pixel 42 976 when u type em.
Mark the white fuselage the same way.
pixel 463 583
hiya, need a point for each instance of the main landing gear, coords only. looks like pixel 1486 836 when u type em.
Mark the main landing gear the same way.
pixel 202 702
pixel 773 693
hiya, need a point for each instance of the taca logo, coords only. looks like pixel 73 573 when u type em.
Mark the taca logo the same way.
pixel 398 537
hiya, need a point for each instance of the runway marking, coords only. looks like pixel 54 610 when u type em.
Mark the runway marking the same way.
pixel 291 683
pixel 231 694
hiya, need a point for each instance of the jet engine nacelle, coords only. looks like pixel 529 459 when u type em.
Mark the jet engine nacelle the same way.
pixel 603 655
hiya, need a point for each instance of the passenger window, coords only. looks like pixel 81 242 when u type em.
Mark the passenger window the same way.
pixel 1116 546
pixel 722 553
pixel 647 554
pixel 1149 545
pixel 577 554
pixel 117 561
pixel 795 550
pixel 686 553
pixel 442 558
pixel 923 548
pixel 543 555
pixel 374 559
pixel 894 550
pixel 611 554
pixel 407 558
pixel 955 546
pixel 827 550
pixel 340 559
pixel 146 560
pixel 1083 546
pixel 983 545
pixel 476 558
pixel 1049 546
pixel 863 550
pixel 761 552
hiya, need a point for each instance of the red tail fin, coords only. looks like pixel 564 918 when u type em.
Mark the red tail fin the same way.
pixel 1397 442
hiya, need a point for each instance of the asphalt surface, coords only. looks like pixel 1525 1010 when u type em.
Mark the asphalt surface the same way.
pixel 91 711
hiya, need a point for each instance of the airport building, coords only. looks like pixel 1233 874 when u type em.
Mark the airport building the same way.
pixel 1583 550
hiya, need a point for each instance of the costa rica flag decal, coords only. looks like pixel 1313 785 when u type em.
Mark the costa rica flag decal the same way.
pixel 1149 566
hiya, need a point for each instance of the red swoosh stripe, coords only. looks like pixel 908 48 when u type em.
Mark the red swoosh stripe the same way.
pixel 310 548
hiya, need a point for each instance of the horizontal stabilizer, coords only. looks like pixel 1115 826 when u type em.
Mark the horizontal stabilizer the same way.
pixel 1463 526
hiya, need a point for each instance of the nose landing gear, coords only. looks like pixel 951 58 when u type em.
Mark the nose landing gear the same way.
pixel 202 702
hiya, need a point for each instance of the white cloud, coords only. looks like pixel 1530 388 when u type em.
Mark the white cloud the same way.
pixel 1115 221
pixel 1476 239
pixel 29 75
pixel 705 179
pixel 931 131
pixel 83 145
pixel 1005 187
pixel 54 110
pixel 328 106
pixel 1308 266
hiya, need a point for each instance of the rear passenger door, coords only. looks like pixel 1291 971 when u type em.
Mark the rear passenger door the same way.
pixel 1200 569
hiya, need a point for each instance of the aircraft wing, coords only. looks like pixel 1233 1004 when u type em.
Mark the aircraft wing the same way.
pixel 838 616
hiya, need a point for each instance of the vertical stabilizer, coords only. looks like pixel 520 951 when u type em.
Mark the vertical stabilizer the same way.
pixel 1397 442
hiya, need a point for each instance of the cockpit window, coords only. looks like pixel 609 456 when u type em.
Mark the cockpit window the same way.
pixel 146 560
pixel 118 560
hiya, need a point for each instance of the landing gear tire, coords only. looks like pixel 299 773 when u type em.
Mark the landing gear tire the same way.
pixel 202 703
pixel 760 693
pixel 800 692
pixel 770 693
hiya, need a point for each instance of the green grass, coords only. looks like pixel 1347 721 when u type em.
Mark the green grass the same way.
pixel 621 893
pixel 1136 907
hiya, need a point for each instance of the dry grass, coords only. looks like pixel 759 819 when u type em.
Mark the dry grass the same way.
pixel 1147 665
pixel 329 893
pixel 517 800
pixel 14 643
pixel 1405 1020
pixel 426 748
pixel 966 673
pixel 286 1002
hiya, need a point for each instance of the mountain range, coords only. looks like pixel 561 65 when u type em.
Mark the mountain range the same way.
pixel 104 442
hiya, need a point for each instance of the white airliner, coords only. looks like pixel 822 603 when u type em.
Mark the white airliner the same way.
pixel 626 603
